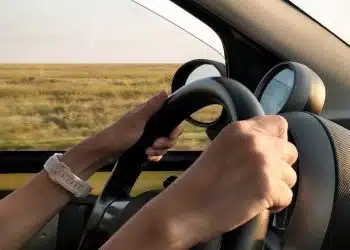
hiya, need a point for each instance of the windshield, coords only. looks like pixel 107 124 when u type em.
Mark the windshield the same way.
pixel 334 15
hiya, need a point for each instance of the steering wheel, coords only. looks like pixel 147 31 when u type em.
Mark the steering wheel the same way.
pixel 239 104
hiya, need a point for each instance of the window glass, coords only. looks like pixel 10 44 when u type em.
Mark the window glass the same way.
pixel 71 68
pixel 332 14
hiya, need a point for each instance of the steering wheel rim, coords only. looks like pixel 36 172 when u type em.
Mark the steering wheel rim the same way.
pixel 239 103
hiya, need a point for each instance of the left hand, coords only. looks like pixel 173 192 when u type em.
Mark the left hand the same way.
pixel 128 130
pixel 95 151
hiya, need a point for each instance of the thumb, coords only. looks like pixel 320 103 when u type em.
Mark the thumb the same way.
pixel 151 106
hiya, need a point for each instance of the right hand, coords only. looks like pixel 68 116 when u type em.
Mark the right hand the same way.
pixel 245 170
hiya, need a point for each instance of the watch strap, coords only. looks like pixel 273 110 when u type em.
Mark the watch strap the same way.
pixel 61 174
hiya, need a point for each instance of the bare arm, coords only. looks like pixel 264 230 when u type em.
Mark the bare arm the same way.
pixel 147 230
pixel 24 212
pixel 196 207
pixel 222 190
pixel 37 201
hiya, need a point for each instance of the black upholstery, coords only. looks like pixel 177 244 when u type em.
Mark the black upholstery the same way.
pixel 71 224
pixel 321 215
pixel 337 236
pixel 64 231
pixel 46 239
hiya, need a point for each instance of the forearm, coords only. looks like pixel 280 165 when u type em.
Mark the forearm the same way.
pixel 146 230
pixel 27 210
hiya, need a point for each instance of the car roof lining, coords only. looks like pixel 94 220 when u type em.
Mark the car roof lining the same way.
pixel 275 25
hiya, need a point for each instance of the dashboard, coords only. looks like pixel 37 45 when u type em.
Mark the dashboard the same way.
pixel 291 86
pixel 277 91
pixel 286 87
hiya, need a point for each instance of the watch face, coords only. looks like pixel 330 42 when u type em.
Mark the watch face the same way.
pixel 277 92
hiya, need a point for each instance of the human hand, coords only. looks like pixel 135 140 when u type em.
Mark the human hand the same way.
pixel 128 130
pixel 246 170
pixel 93 152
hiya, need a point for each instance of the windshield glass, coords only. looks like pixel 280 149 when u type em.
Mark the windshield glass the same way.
pixel 334 15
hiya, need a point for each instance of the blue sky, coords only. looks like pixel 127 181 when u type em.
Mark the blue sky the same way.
pixel 118 30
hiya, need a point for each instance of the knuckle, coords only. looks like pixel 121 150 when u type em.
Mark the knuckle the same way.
pixel 289 196
pixel 285 197
pixel 293 177
pixel 282 121
pixel 232 129
pixel 294 151
pixel 239 126
pixel 283 124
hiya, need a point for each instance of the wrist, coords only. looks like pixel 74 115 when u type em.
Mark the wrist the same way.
pixel 180 218
pixel 84 159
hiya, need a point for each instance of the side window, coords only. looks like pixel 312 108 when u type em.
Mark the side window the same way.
pixel 71 68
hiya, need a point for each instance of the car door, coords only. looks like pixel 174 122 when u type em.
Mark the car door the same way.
pixel 69 69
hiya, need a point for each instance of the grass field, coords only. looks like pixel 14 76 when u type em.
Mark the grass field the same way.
pixel 52 106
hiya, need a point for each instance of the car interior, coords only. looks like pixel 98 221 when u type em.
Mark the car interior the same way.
pixel 278 60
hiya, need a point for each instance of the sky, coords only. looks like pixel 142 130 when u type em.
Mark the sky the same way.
pixel 334 14
pixel 96 31
pixel 120 30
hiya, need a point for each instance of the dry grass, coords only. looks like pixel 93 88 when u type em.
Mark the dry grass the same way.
pixel 51 107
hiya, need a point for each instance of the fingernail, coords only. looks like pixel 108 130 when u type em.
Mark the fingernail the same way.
pixel 155 158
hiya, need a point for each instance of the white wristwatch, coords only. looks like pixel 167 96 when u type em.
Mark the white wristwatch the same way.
pixel 61 174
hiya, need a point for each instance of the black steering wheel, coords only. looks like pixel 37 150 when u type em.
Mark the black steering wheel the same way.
pixel 239 104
